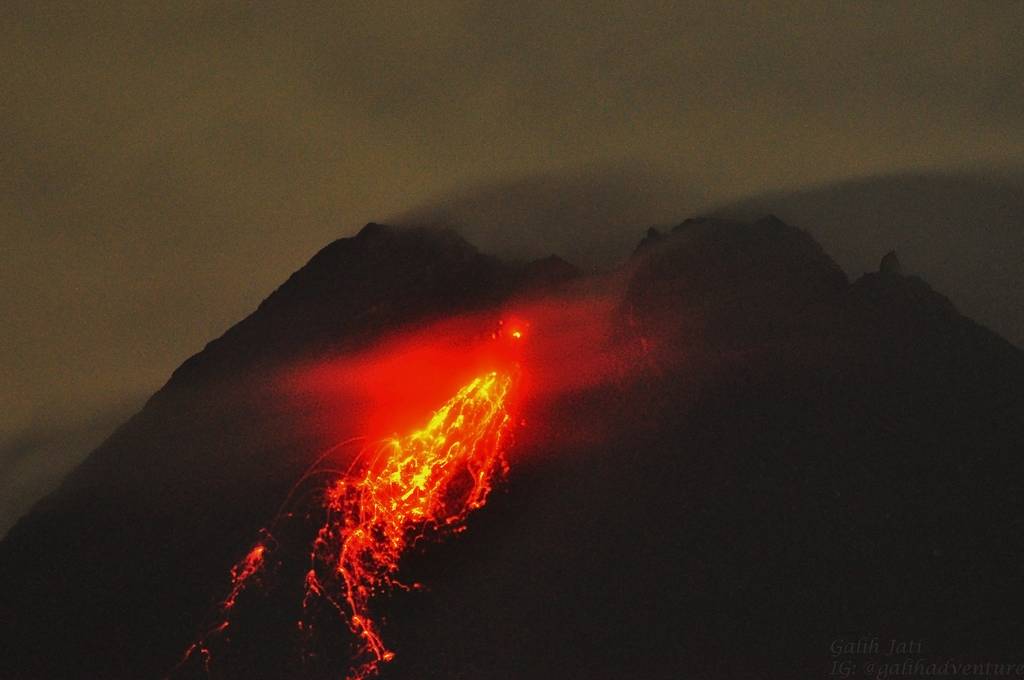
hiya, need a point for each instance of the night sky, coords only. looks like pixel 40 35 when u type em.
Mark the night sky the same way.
pixel 165 168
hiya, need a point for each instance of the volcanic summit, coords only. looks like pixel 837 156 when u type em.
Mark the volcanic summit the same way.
pixel 709 462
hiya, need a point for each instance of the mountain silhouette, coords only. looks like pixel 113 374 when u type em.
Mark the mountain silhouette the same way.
pixel 781 459
pixel 960 230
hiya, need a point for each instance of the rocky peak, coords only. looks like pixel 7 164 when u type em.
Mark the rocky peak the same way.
pixel 732 275
pixel 890 264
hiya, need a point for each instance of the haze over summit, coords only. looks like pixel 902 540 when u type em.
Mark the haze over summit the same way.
pixel 962 231
pixel 168 167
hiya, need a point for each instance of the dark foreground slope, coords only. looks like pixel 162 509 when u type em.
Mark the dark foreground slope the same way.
pixel 806 460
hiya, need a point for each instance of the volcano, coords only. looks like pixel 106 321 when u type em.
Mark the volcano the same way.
pixel 722 459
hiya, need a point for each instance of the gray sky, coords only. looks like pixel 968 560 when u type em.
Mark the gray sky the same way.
pixel 166 165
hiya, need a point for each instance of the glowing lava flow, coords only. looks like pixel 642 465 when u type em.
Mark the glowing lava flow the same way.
pixel 425 483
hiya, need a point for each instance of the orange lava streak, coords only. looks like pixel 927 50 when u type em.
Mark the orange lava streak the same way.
pixel 427 481
pixel 241 574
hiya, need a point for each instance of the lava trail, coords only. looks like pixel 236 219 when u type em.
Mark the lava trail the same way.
pixel 241 575
pixel 422 484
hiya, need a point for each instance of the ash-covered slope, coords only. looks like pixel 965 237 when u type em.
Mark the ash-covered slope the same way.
pixel 806 460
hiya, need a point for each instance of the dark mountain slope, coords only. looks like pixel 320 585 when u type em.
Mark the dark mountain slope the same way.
pixel 117 568
pixel 827 462
pixel 798 460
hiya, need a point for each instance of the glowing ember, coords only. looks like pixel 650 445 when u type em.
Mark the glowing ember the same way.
pixel 424 483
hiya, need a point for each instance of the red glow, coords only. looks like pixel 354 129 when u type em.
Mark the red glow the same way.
pixel 565 344
pixel 387 388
